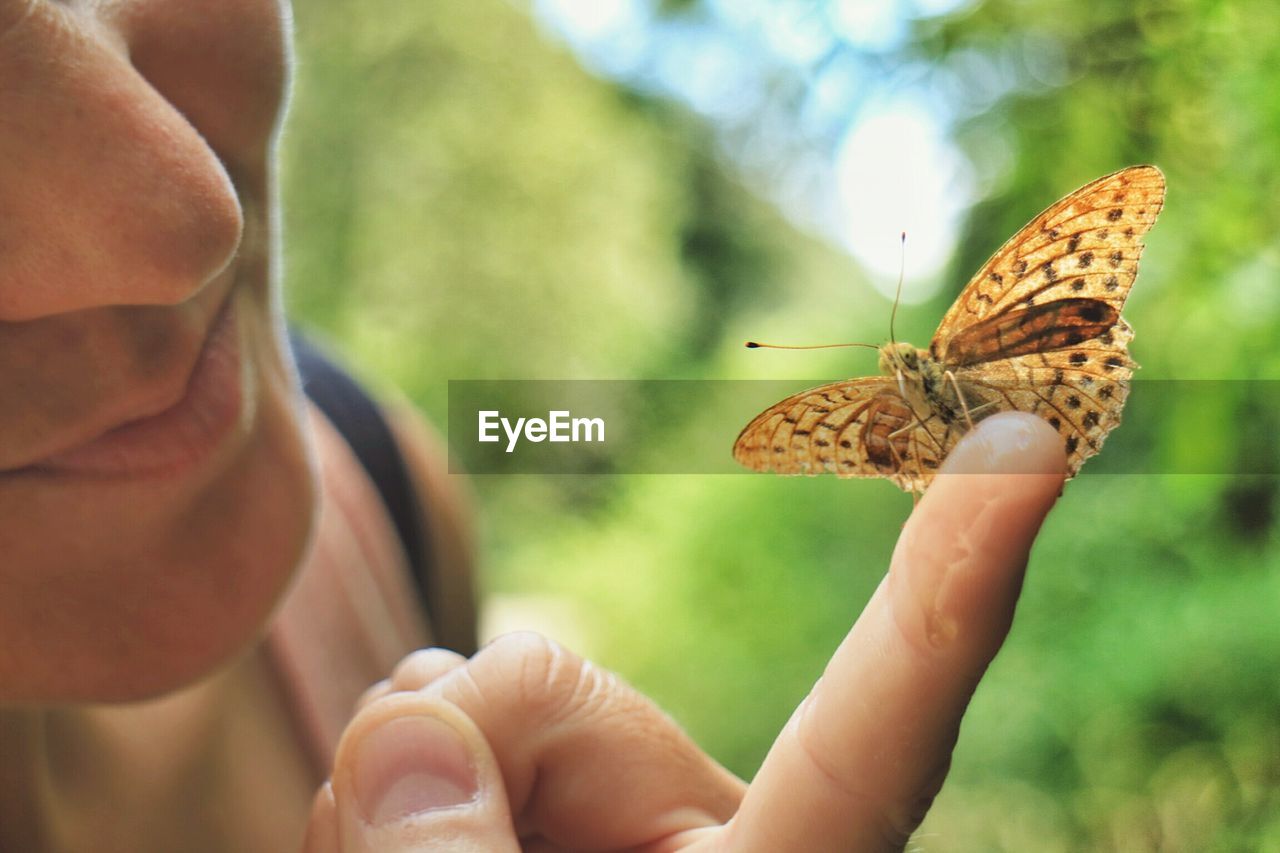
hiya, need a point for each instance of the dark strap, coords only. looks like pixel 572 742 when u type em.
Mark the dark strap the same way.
pixel 360 421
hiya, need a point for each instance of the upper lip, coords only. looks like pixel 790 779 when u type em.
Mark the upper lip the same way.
pixel 135 402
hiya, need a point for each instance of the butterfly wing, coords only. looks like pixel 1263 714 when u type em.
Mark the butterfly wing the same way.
pixel 856 428
pixel 1085 246
pixel 1038 328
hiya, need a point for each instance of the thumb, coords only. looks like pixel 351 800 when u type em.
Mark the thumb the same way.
pixel 414 773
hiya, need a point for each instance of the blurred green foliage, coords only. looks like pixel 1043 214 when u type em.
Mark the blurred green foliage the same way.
pixel 462 201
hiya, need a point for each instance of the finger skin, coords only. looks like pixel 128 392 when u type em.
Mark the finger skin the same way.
pixel 481 824
pixel 375 692
pixel 414 672
pixel 587 761
pixel 862 757
pixel 423 667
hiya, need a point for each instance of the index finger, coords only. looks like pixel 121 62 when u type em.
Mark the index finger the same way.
pixel 862 757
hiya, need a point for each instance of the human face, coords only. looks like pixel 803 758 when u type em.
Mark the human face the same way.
pixel 156 487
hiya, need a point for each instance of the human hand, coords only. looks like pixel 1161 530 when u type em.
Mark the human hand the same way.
pixel 528 747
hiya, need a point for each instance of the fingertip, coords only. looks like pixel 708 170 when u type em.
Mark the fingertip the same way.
pixel 373 694
pixel 422 667
pixel 1009 443
pixel 1007 474
pixel 411 769
pixel 322 827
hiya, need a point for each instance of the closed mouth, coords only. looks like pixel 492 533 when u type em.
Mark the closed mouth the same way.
pixel 166 442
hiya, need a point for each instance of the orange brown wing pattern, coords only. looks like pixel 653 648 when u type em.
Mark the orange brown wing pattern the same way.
pixel 857 428
pixel 1084 248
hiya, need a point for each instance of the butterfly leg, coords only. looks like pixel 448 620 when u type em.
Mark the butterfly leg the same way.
pixel 918 422
pixel 983 407
pixel 916 494
pixel 968 416
pixel 897 458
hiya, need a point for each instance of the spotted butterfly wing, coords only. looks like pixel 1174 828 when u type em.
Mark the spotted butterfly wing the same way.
pixel 856 428
pixel 1038 328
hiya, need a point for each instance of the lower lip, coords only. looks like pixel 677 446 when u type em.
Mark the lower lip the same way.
pixel 172 441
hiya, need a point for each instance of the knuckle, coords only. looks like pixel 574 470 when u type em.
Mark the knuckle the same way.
pixel 892 821
pixel 551 682
pixel 529 652
pixel 820 759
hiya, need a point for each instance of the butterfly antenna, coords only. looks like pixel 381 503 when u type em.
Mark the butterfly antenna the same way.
pixel 757 345
pixel 897 296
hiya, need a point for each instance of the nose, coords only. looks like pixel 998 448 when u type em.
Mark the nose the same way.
pixel 108 195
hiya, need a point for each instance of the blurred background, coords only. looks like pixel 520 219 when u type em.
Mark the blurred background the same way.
pixel 628 189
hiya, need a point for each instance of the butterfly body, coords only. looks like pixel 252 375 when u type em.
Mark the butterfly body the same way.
pixel 924 383
pixel 1037 329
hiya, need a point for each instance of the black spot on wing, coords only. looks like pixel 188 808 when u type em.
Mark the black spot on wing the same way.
pixel 1093 311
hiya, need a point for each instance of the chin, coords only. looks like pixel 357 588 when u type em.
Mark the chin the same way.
pixel 259 521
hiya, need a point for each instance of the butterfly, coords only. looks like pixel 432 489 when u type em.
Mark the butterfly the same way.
pixel 1037 329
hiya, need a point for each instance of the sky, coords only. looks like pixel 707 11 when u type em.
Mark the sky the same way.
pixel 812 103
